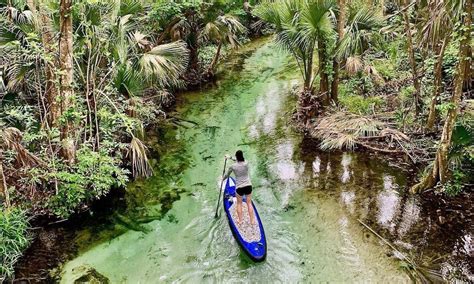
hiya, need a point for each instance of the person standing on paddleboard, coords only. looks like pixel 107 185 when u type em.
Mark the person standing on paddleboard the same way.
pixel 242 184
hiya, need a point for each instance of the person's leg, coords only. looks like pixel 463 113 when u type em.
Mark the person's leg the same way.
pixel 239 209
pixel 250 208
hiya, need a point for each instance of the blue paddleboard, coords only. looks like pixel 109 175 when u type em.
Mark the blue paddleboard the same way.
pixel 255 249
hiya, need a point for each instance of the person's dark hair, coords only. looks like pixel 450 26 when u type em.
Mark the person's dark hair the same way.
pixel 239 156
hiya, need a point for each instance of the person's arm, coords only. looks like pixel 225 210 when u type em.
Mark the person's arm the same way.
pixel 230 157
pixel 229 171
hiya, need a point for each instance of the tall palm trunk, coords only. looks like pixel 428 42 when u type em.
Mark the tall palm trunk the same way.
pixel 212 66
pixel 307 107
pixel 193 41
pixel 440 165
pixel 66 77
pixel 437 85
pixel 248 13
pixel 3 184
pixel 51 89
pixel 324 81
pixel 193 21
pixel 308 71
pixel 341 18
pixel 411 55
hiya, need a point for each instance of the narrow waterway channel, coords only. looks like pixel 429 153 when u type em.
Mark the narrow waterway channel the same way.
pixel 309 201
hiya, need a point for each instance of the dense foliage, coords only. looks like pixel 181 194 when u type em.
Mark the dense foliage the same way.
pixel 387 77
pixel 127 59
pixel 81 83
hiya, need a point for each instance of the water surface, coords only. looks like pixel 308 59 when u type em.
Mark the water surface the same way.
pixel 309 201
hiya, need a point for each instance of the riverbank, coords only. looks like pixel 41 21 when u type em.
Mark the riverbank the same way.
pixel 310 200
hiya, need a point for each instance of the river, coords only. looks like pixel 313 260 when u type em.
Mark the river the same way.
pixel 310 201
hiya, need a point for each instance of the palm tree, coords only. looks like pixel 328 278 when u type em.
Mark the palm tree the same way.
pixel 57 62
pixel 66 90
pixel 135 64
pixel 341 20
pixel 362 24
pixel 411 55
pixel 224 30
pixel 436 32
pixel 440 168
pixel 302 27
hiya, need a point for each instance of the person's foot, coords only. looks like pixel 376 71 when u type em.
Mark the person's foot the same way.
pixel 252 221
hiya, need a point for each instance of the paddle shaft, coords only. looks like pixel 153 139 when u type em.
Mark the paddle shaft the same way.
pixel 220 189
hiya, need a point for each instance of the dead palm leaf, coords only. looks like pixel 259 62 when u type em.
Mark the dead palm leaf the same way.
pixel 353 64
pixel 11 139
pixel 139 159
pixel 141 40
pixel 342 130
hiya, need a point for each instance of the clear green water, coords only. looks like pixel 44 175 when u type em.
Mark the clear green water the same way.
pixel 309 201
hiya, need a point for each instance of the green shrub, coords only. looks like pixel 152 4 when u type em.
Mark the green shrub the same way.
pixel 94 174
pixel 14 239
pixel 404 118
pixel 360 105
pixel 406 94
pixel 455 185
pixel 206 54
pixel 386 68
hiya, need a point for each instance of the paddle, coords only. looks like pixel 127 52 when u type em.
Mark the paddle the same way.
pixel 220 188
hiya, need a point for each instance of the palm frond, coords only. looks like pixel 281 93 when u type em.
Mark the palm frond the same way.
pixel 358 36
pixel 315 18
pixel 438 23
pixel 128 82
pixel 130 7
pixel 8 36
pixel 225 29
pixel 139 159
pixel 18 17
pixel 342 130
pixel 165 63
pixel 269 12
pixel 353 65
pixel 211 32
pixel 140 39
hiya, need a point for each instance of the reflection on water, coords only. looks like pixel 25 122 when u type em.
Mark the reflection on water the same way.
pixel 387 203
pixel 410 215
pixel 285 168
pixel 345 162
pixel 369 190
pixel 316 167
pixel 348 198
